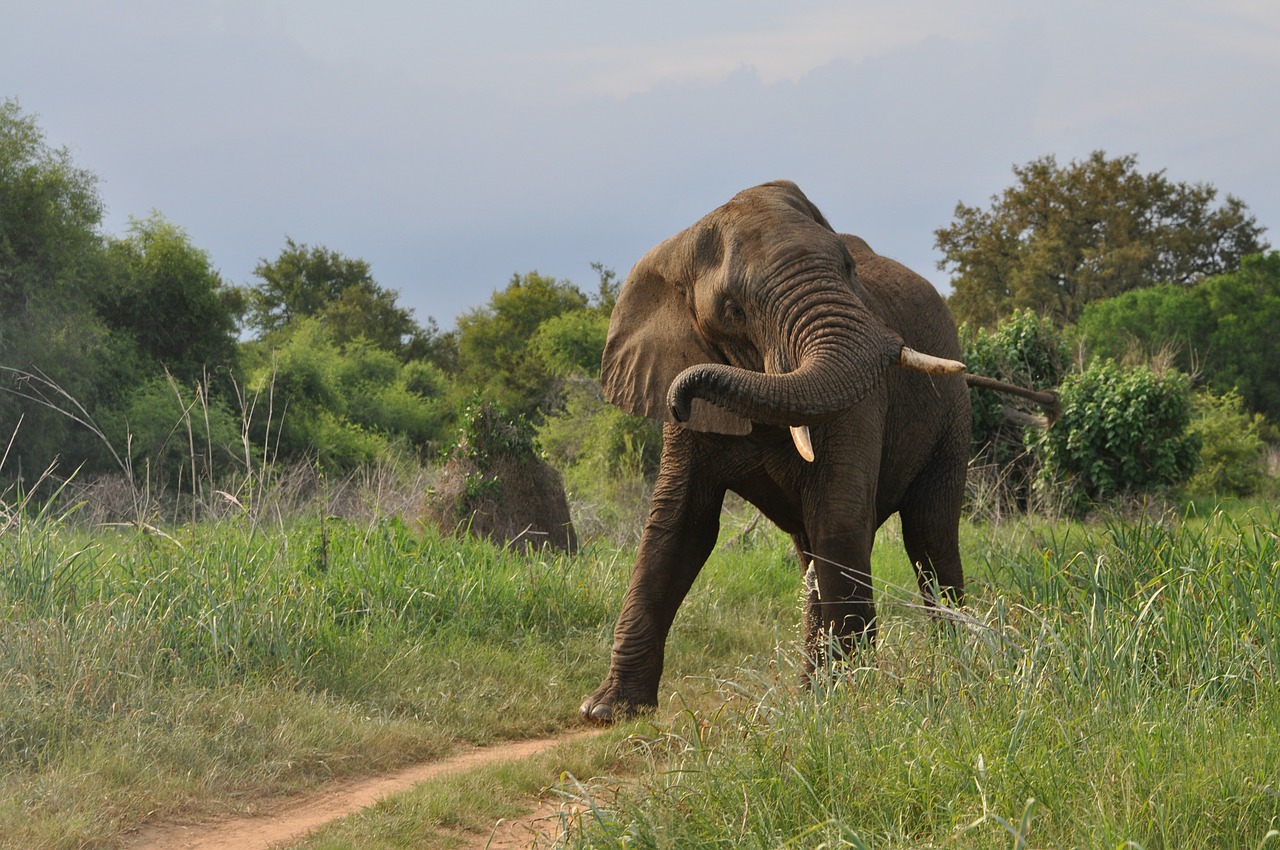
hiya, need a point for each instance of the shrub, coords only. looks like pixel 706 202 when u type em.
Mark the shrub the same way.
pixel 1027 350
pixel 175 433
pixel 345 406
pixel 1231 446
pixel 1120 432
pixel 608 459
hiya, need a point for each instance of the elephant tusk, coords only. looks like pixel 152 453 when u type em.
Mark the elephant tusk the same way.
pixel 911 359
pixel 804 445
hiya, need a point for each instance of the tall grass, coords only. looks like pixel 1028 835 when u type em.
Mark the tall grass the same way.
pixel 1116 686
pixel 140 672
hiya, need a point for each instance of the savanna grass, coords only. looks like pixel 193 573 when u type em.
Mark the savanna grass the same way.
pixel 220 662
pixel 1114 686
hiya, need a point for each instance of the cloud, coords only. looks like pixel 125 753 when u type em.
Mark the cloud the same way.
pixel 778 48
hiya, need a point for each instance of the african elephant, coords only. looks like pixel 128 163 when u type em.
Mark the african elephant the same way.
pixel 783 359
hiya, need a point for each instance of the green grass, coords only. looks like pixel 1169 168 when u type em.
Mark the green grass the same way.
pixel 1110 685
pixel 220 664
pixel 143 675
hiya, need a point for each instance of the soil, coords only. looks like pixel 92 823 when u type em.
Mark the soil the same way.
pixel 292 820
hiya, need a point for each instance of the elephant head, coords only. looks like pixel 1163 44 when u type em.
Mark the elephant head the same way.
pixel 754 314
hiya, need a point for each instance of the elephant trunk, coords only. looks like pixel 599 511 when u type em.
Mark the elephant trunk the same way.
pixel 840 353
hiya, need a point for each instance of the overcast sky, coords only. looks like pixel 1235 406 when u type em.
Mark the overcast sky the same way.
pixel 452 145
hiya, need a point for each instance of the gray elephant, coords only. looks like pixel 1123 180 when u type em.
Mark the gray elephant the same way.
pixel 784 360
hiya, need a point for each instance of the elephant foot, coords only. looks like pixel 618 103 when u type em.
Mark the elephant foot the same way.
pixel 611 702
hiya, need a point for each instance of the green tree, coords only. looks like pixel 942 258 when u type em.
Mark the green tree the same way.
pixel 340 291
pixel 495 341
pixel 49 217
pixel 1064 237
pixel 342 406
pixel 165 295
pixel 51 254
pixel 1224 328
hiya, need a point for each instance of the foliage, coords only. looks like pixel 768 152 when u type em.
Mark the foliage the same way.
pixel 50 257
pixel 1121 432
pixel 49 215
pixel 608 458
pixel 175 434
pixel 495 351
pixel 488 439
pixel 166 296
pixel 571 343
pixel 1231 446
pixel 1223 329
pixel 1024 349
pixel 343 406
pixel 597 441
pixel 487 433
pixel 1064 237
pixel 340 292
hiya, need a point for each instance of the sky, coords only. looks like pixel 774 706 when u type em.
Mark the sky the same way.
pixel 454 145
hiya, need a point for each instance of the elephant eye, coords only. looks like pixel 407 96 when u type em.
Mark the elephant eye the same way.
pixel 732 312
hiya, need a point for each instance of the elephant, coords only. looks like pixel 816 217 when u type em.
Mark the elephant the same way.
pixel 785 361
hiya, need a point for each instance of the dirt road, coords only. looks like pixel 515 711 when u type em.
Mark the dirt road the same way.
pixel 305 814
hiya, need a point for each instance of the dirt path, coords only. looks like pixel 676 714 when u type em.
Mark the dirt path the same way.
pixel 300 816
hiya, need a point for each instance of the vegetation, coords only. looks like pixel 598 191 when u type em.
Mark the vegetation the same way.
pixel 1065 237
pixel 1028 351
pixel 1105 683
pixel 1121 432
pixel 217 587
pixel 1222 329
pixel 1107 687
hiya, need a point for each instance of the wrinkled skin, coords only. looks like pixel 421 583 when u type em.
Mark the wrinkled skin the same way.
pixel 758 318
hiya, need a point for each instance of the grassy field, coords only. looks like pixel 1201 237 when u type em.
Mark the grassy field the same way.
pixel 1115 685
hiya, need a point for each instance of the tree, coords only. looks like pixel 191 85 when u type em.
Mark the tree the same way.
pixel 166 296
pixel 1226 329
pixel 340 291
pixel 495 350
pixel 1062 238
pixel 51 254
pixel 49 217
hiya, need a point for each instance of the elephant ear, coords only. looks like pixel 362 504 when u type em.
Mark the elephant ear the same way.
pixel 651 340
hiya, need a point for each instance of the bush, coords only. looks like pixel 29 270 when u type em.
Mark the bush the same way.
pixel 1231 446
pixel 1026 350
pixel 345 406
pixel 1120 432
pixel 175 434
pixel 608 459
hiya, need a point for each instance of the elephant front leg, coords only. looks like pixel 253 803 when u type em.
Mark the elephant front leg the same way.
pixel 679 536
pixel 840 612
pixel 839 609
